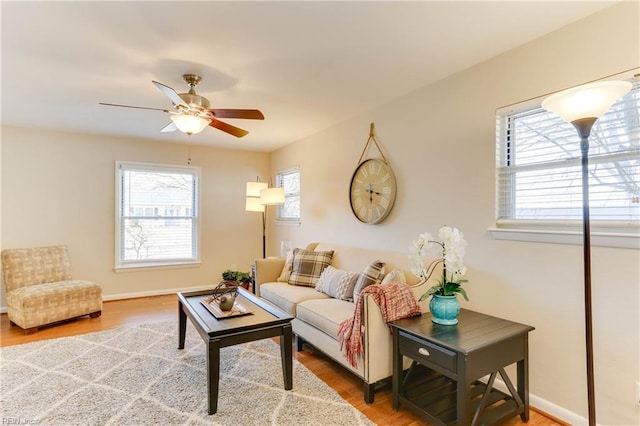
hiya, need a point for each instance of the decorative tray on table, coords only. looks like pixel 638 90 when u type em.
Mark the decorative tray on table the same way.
pixel 213 305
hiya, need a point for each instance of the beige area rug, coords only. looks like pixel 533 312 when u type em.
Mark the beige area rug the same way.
pixel 137 376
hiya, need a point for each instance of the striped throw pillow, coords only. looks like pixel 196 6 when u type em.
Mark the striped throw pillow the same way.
pixel 372 274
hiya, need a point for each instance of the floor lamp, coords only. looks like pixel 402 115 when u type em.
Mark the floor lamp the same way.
pixel 258 197
pixel 582 106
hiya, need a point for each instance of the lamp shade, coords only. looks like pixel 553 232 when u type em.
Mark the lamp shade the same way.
pixel 253 205
pixel 587 101
pixel 189 124
pixel 272 196
pixel 254 188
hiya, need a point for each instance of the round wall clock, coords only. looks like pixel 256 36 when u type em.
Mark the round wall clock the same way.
pixel 372 191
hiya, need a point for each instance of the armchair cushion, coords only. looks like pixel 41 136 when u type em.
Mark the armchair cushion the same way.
pixel 31 266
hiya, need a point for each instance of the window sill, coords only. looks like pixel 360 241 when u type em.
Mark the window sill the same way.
pixel 287 222
pixel 138 267
pixel 598 239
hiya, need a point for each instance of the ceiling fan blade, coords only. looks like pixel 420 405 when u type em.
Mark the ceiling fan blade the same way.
pixel 232 130
pixel 251 114
pixel 171 127
pixel 171 94
pixel 136 107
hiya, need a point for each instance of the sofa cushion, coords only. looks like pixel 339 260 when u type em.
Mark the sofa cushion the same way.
pixel 286 296
pixel 372 274
pixel 337 283
pixel 326 315
pixel 307 266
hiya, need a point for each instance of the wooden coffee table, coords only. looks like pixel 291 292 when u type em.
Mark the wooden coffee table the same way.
pixel 265 321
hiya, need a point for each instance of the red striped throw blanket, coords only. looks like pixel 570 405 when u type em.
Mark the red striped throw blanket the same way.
pixel 395 301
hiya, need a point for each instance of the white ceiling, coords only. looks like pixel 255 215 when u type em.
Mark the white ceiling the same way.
pixel 305 65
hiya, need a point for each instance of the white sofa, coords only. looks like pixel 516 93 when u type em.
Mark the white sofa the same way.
pixel 317 316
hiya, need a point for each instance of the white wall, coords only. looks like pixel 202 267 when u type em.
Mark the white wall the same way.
pixel 59 188
pixel 441 143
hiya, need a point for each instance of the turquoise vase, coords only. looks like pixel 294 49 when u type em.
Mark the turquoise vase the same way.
pixel 444 309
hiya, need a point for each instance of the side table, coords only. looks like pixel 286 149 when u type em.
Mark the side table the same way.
pixel 442 385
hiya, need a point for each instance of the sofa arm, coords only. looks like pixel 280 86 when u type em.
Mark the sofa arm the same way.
pixel 378 341
pixel 268 270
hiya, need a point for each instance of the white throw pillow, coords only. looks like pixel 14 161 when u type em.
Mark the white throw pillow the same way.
pixel 337 283
pixel 286 270
pixel 395 276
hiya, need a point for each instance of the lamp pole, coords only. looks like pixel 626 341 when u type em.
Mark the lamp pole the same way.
pixel 264 233
pixel 583 126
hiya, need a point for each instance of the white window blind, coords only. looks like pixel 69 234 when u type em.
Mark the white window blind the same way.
pixel 290 181
pixel 539 181
pixel 157 221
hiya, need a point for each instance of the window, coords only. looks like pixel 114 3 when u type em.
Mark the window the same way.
pixel 539 169
pixel 290 181
pixel 156 219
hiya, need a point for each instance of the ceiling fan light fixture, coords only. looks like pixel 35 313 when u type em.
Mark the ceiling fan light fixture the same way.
pixel 190 124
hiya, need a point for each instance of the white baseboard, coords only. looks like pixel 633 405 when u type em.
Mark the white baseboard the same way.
pixel 162 292
pixel 124 296
pixel 556 411
pixel 550 408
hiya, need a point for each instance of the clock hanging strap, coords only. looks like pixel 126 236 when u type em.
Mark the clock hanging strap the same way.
pixel 372 137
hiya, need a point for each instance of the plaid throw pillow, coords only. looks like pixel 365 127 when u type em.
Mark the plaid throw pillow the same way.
pixel 372 274
pixel 307 266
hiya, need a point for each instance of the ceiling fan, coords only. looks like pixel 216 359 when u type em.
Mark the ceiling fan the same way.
pixel 191 112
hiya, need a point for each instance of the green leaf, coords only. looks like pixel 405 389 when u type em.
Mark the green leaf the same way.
pixel 464 293
pixel 450 289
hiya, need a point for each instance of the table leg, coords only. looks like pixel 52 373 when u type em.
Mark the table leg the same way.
pixel 523 386
pixel 286 353
pixel 182 326
pixel 463 391
pixel 397 370
pixel 213 374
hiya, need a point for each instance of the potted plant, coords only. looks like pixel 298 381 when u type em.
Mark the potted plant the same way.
pixel 237 278
pixel 444 305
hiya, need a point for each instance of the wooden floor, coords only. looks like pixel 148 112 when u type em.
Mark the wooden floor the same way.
pixel 165 308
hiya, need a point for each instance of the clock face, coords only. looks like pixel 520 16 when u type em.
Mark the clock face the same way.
pixel 373 191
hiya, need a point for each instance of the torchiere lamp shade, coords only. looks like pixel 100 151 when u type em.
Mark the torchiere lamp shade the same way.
pixel 587 101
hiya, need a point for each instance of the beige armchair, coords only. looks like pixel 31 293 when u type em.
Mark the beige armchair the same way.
pixel 40 290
